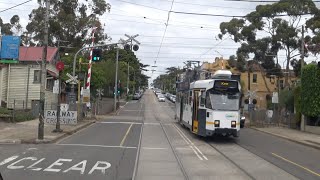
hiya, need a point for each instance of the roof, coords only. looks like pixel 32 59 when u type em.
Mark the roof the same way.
pixel 202 84
pixel 35 53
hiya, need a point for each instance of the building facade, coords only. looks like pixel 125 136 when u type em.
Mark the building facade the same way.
pixel 20 82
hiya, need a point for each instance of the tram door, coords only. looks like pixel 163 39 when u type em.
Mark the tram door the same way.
pixel 195 108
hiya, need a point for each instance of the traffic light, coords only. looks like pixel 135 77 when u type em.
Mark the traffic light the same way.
pixel 96 54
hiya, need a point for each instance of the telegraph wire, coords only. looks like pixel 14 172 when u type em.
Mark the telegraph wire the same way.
pixel 15 6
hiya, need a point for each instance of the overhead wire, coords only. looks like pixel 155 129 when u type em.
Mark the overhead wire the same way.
pixel 15 6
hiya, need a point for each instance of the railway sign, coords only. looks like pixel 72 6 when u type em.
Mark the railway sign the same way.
pixel 73 79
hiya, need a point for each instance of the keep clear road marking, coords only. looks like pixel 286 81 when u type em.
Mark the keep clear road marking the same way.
pixel 125 136
pixel 34 164
pixel 192 145
pixel 298 165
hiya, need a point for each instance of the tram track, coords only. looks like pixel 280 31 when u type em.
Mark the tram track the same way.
pixel 171 146
pixel 218 150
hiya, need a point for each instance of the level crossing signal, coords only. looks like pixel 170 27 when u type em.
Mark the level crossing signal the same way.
pixel 96 54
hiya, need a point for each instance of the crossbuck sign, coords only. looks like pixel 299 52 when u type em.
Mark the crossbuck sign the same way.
pixel 73 79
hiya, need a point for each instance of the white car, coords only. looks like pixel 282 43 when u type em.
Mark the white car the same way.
pixel 161 98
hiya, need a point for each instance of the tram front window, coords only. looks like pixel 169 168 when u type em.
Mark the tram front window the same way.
pixel 224 100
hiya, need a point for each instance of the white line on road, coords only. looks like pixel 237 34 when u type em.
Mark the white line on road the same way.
pixel 114 122
pixel 154 148
pixel 192 144
pixel 151 123
pixel 103 146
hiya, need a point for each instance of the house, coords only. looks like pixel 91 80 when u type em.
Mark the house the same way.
pixel 20 81
pixel 262 85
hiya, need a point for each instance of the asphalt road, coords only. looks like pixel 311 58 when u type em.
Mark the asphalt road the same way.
pixel 145 142
pixel 104 150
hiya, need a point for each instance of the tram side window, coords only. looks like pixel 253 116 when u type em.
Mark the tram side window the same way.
pixel 190 97
pixel 208 102
pixel 203 98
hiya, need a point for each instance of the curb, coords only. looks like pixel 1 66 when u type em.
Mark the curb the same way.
pixel 10 141
pixel 46 141
pixel 284 137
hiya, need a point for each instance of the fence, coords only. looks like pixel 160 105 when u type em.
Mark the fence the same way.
pixel 265 118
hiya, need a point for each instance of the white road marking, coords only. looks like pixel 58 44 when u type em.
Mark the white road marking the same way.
pixel 9 159
pixel 103 169
pixel 57 163
pixel 82 168
pixel 151 123
pixel 191 143
pixel 102 146
pixel 56 166
pixel 31 167
pixel 153 148
pixel 14 166
pixel 63 139
pixel 196 152
pixel 114 122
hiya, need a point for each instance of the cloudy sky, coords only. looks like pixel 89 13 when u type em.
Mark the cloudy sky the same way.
pixel 184 37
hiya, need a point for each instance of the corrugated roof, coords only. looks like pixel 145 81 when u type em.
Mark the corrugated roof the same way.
pixel 35 53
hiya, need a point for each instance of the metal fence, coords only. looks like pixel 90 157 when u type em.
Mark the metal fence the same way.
pixel 265 118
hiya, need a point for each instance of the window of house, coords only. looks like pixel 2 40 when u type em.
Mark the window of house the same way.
pixel 254 78
pixel 36 76
pixel 49 84
pixel 281 84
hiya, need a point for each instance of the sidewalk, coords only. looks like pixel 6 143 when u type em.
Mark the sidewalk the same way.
pixel 27 132
pixel 308 139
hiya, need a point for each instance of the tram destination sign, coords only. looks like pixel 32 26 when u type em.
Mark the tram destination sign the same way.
pixel 225 84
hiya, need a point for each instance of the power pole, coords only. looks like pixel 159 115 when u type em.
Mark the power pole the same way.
pixel 128 81
pixel 302 49
pixel 302 63
pixel 43 75
pixel 116 82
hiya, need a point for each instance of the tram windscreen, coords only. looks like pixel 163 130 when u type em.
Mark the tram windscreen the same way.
pixel 224 95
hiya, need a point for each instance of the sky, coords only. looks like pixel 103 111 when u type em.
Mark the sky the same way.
pixel 183 38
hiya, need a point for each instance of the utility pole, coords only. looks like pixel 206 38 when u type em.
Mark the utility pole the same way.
pixel 43 75
pixel 302 63
pixel 116 82
pixel 128 81
pixel 302 49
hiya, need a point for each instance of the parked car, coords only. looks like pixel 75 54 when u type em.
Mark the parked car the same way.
pixel 161 98
pixel 136 96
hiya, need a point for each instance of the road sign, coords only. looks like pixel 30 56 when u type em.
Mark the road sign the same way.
pixel 275 97
pixel 100 92
pixel 86 95
pixel 132 38
pixel 60 66
pixel 64 107
pixel 73 79
pixel 66 117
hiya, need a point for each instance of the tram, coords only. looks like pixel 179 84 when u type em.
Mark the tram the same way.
pixel 212 106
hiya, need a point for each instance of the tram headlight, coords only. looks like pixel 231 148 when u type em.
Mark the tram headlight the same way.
pixel 233 124
pixel 216 123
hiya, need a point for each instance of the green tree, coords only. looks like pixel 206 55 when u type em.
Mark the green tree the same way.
pixel 11 28
pixel 70 20
pixel 282 32
pixel 310 90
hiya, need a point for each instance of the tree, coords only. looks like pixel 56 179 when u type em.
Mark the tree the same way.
pixel 282 33
pixel 11 28
pixel 310 88
pixel 68 21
